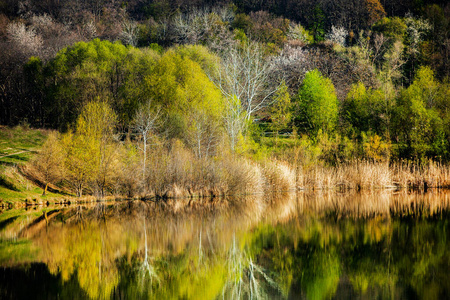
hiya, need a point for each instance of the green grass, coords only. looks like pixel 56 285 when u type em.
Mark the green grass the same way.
pixel 33 195
pixel 279 144
pixel 18 144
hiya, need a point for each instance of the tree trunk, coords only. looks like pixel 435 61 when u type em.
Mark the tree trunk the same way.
pixel 45 190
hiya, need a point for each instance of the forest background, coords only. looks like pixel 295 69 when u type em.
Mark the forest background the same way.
pixel 169 98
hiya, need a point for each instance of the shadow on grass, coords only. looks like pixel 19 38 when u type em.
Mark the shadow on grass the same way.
pixel 6 222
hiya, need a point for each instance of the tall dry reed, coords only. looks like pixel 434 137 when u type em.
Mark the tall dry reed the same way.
pixel 367 175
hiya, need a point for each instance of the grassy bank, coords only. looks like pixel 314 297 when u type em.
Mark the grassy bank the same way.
pixel 18 146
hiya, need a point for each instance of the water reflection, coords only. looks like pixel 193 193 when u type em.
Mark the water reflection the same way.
pixel 385 244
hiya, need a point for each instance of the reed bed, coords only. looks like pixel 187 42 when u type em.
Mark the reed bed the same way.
pixel 368 175
pixel 359 175
pixel 421 176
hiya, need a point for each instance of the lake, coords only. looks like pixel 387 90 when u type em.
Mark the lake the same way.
pixel 308 245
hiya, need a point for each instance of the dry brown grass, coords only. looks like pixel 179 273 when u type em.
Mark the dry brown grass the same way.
pixel 424 176
pixel 368 175
pixel 279 177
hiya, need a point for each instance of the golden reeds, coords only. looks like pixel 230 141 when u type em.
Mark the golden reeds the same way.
pixel 368 175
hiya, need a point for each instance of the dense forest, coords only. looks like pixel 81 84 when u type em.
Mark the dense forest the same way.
pixel 151 85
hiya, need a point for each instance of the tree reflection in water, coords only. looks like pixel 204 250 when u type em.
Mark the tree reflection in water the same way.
pixel 312 246
pixel 146 267
pixel 245 278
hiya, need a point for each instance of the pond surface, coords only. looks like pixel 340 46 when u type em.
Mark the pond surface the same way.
pixel 379 245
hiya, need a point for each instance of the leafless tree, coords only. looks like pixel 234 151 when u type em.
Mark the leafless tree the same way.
pixel 244 75
pixel 146 121
pixel 25 38
pixel 203 133
pixel 234 120
pixel 207 26
pixel 129 34
pixel 292 65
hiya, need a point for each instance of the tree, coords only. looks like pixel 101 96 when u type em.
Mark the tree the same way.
pixel 96 70
pixel 416 30
pixel 317 104
pixel 25 38
pixel 337 35
pixel 80 162
pixel 96 124
pixel 235 120
pixel 244 74
pixel 189 100
pixel 280 112
pixel 318 24
pixel 375 11
pixel 146 122
pixel 129 34
pixel 418 128
pixel 364 110
pixel 49 161
pixel 90 153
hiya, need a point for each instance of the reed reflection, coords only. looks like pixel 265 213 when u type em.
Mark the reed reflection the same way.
pixel 315 245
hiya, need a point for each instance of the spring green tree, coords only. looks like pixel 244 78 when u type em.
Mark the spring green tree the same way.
pixel 418 125
pixel 91 71
pixel 280 111
pixel 189 101
pixel 316 104
pixel 90 151
pixel 365 110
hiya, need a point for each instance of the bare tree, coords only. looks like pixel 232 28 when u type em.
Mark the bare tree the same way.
pixel 203 133
pixel 25 38
pixel 234 119
pixel 145 123
pixel 129 34
pixel 291 64
pixel 244 75
pixel 207 26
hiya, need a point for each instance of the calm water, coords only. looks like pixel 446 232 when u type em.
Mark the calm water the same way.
pixel 381 245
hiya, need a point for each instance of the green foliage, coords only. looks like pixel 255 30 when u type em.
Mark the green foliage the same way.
pixel 92 71
pixel 96 121
pixel 89 152
pixel 365 110
pixel 316 104
pixel 393 28
pixel 157 48
pixel 318 24
pixel 334 148
pixel 240 36
pixel 280 112
pixel 208 61
pixel 374 148
pixel 418 126
pixel 241 22
pixel 191 103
